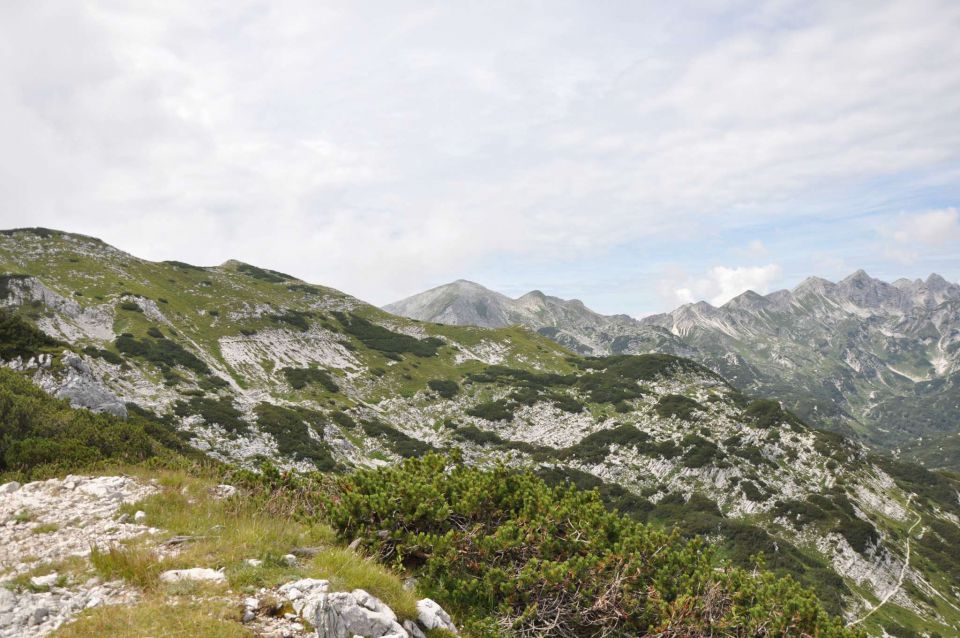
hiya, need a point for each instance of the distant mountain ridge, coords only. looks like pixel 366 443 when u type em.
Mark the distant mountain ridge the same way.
pixel 860 355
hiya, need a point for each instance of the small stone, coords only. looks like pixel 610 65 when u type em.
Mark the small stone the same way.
pixel 290 559
pixel 195 574
pixel 254 562
pixel 48 580
pixel 224 491
pixel 123 518
pixel 140 516
pixel 248 615
pixel 93 602
pixel 39 615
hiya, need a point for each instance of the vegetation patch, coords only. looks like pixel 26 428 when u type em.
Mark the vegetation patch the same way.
pixel 264 274
pixel 291 431
pixel 677 405
pixel 399 442
pixel 595 447
pixel 39 434
pixel 445 388
pixel 501 410
pixel 20 339
pixel 300 378
pixel 295 318
pixel 214 411
pixel 387 341
pixel 163 353
pixel 515 555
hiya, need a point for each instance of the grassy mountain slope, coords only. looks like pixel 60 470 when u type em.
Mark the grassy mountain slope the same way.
pixel 249 365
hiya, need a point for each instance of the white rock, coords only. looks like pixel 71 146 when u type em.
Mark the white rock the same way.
pixel 9 488
pixel 254 562
pixel 139 516
pixel 49 580
pixel 194 574
pixel 340 615
pixel 7 600
pixel 290 559
pixel 224 491
pixel 432 616
pixel 413 629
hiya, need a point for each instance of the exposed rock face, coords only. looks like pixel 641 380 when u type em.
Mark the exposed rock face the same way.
pixel 82 388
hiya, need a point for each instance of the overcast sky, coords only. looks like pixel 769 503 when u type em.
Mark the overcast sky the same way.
pixel 635 155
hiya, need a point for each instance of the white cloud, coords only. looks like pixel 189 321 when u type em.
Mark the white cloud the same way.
pixel 723 283
pixel 930 228
pixel 909 236
pixel 374 148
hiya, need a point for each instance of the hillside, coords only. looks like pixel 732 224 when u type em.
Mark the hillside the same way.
pixel 250 365
pixel 870 359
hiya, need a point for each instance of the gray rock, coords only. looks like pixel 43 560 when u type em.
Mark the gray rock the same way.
pixel 413 629
pixel 9 488
pixel 83 390
pixel 432 616
pixel 340 615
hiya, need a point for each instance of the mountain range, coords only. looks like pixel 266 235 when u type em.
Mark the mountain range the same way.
pixel 249 365
pixel 868 358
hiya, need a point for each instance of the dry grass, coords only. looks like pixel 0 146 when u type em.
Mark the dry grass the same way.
pixel 157 618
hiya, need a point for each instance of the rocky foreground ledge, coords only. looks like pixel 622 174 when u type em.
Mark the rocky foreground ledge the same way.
pixel 48 529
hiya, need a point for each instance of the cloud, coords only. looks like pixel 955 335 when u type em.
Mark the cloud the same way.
pixel 930 228
pixel 375 149
pixel 723 283
pixel 907 237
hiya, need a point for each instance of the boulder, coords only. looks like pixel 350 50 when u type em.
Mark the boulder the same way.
pixel 341 615
pixel 432 616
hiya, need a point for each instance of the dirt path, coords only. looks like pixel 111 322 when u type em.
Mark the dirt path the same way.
pixel 903 573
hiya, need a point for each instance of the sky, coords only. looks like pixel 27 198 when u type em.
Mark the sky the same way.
pixel 635 155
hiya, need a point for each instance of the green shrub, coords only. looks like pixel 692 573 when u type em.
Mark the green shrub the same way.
pixel 506 551
pixel 295 318
pixel 299 378
pixel 764 413
pixel 700 451
pixel 130 306
pixel 290 429
pixel 20 339
pixel 107 355
pixel 160 352
pixel 220 411
pixel 446 388
pixel 399 442
pixel 677 405
pixel 386 341
pixel 263 274
pixel 595 447
pixel 39 434
pixel 493 410
pixel 476 435
pixel 154 332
